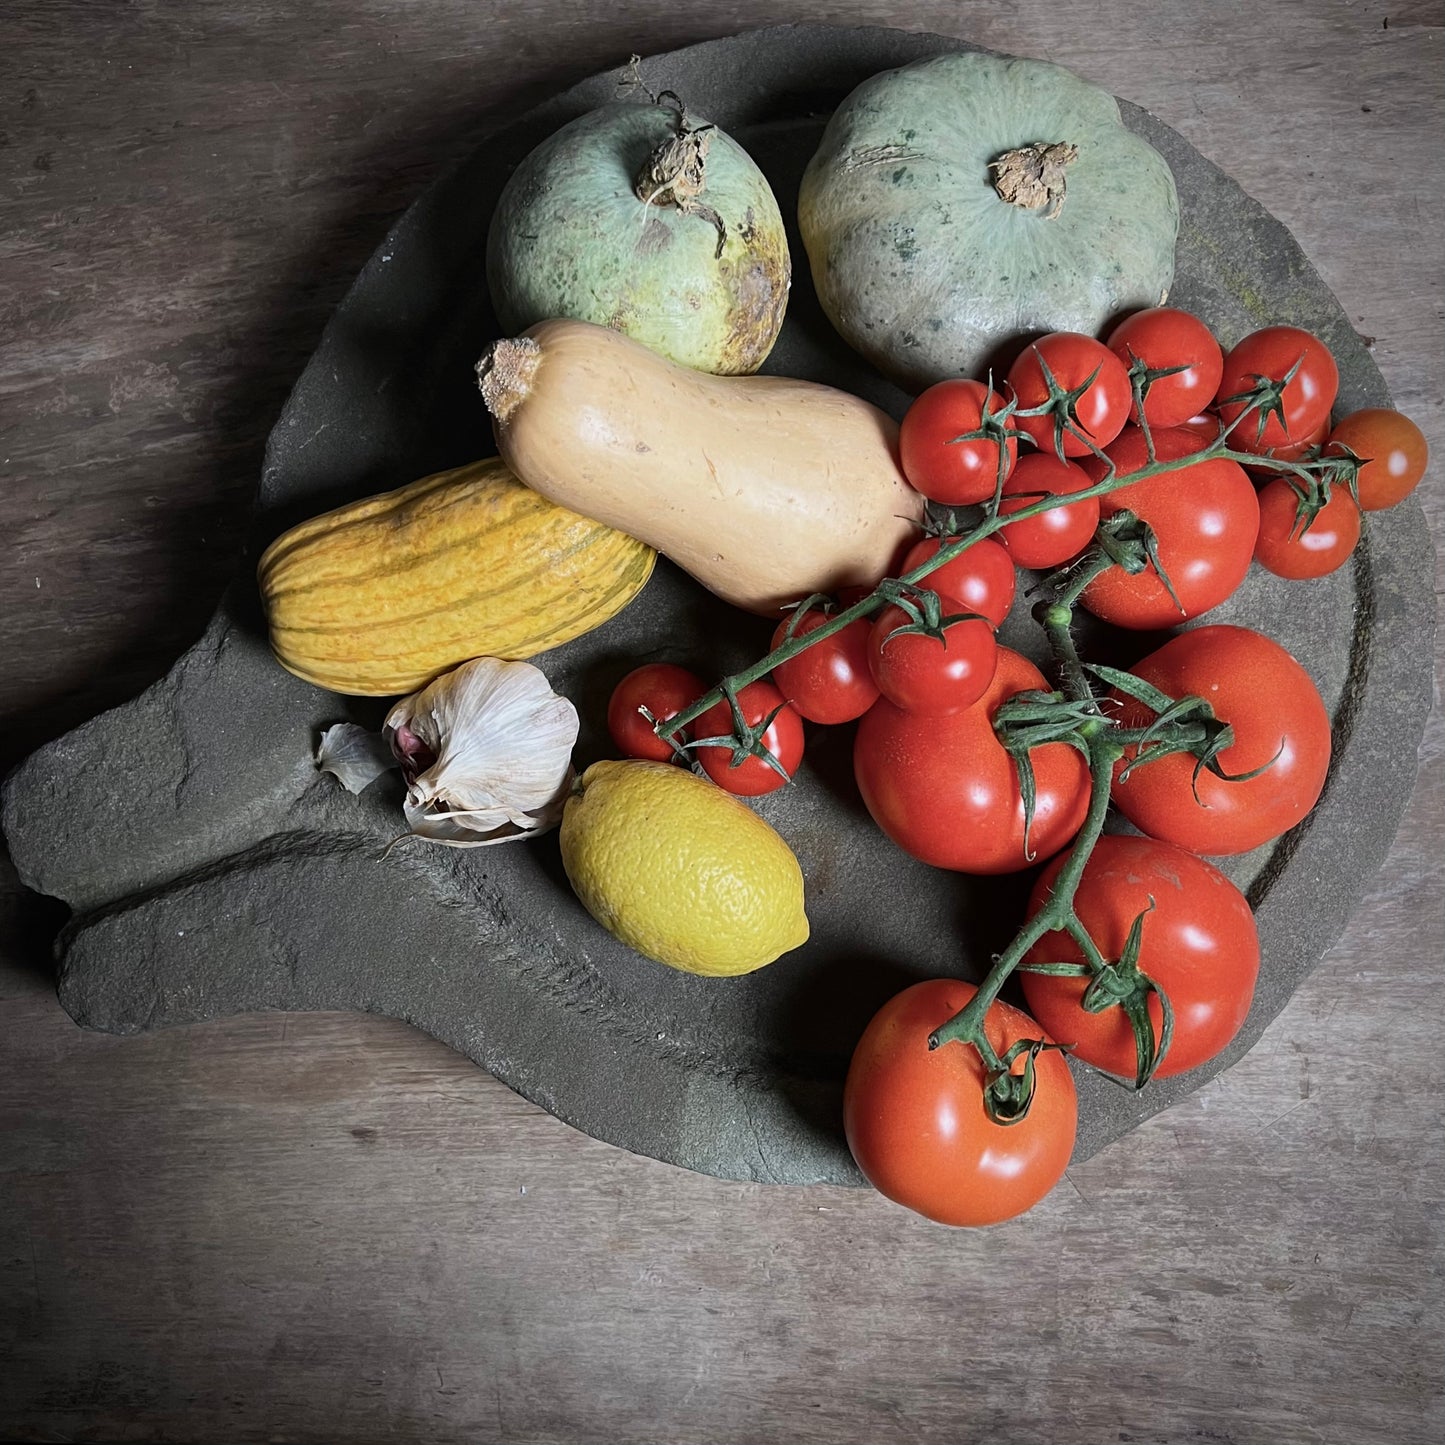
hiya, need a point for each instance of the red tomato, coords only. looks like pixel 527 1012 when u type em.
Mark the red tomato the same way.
pixel 1165 337
pixel 830 682
pixel 922 674
pixel 1206 517
pixel 1276 713
pixel 1199 944
pixel 1289 549
pixel 1393 449
pixel 1053 537
pixel 1099 413
pixel 915 1118
pixel 1307 397
pixel 664 690
pixel 751 776
pixel 945 791
pixel 982 578
pixel 957 473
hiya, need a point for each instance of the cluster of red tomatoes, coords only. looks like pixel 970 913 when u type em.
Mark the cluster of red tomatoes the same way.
pixel 1208 518
pixel 925 678
pixel 914 1117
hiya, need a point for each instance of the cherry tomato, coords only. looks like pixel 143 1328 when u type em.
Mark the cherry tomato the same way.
pixel 946 792
pixel 982 578
pixel 664 690
pixel 957 473
pixel 922 674
pixel 752 776
pixel 1164 337
pixel 1099 413
pixel 1307 397
pixel 1199 944
pixel 915 1118
pixel 1277 717
pixel 1394 451
pixel 830 682
pixel 1206 517
pixel 1288 548
pixel 1053 537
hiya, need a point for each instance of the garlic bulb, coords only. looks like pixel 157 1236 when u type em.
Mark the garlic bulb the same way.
pixel 487 753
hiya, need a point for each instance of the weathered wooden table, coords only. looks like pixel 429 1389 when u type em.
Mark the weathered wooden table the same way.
pixel 317 1227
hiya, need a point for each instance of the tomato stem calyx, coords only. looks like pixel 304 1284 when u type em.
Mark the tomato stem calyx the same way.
pixel 1062 406
pixel 1008 1096
pixel 745 740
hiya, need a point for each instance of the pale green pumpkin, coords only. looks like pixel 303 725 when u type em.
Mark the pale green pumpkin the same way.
pixel 705 287
pixel 920 263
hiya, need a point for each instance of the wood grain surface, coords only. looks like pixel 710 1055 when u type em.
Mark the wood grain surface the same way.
pixel 328 1227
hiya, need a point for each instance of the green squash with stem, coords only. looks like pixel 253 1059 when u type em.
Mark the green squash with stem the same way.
pixel 961 202
pixel 649 220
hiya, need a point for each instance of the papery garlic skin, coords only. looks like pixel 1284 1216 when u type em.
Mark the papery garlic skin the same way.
pixel 353 756
pixel 497 746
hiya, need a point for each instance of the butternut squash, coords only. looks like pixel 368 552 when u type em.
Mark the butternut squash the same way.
pixel 381 596
pixel 764 488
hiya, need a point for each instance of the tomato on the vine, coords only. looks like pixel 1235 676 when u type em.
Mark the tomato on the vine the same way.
pixel 915 1118
pixel 664 689
pixel 1164 337
pixel 1205 517
pixel 946 791
pixel 1291 546
pixel 1098 413
pixel 751 776
pixel 982 578
pixel 945 469
pixel 829 682
pixel 925 674
pixel 1277 717
pixel 1393 449
pixel 1198 943
pixel 1271 354
pixel 1053 537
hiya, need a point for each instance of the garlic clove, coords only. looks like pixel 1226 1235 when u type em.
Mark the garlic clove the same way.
pixel 355 757
pixel 487 753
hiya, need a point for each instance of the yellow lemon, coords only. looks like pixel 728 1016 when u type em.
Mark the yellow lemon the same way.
pixel 680 870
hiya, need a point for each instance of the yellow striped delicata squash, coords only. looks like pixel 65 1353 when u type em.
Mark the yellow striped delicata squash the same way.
pixel 380 596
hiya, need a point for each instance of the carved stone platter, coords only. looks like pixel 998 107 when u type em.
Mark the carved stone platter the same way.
pixel 212 870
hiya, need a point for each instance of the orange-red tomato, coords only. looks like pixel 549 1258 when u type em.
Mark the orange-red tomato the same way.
pixel 1286 547
pixel 1053 537
pixel 830 681
pixel 752 776
pixel 1099 412
pixel 938 464
pixel 1164 337
pixel 927 674
pixel 981 578
pixel 1394 450
pixel 1278 718
pixel 1198 943
pixel 1206 517
pixel 1274 353
pixel 664 689
pixel 915 1118
pixel 945 790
